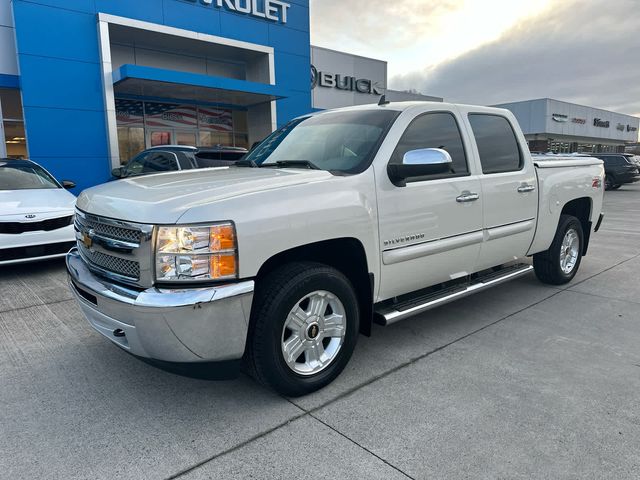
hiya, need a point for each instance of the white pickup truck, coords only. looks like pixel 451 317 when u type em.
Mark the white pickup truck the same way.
pixel 337 220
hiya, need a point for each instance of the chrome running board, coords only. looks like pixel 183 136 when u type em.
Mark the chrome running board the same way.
pixel 394 312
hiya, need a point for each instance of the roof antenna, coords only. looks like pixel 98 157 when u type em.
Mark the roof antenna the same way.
pixel 383 101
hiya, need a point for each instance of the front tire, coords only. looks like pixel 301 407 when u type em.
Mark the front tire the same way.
pixel 559 264
pixel 304 328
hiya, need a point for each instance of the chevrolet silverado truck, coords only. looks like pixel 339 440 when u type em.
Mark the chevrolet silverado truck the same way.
pixel 337 220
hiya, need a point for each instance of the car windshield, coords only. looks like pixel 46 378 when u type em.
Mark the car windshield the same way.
pixel 342 142
pixel 25 176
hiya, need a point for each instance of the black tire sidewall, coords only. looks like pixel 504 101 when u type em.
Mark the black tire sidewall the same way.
pixel 273 366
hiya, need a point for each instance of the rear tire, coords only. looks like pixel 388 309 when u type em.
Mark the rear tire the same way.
pixel 559 264
pixel 609 182
pixel 615 187
pixel 304 328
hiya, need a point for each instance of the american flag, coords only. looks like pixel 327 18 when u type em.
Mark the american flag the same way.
pixel 170 115
pixel 215 119
pixel 129 113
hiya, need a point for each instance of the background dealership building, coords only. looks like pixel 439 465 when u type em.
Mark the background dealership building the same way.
pixel 561 127
pixel 86 84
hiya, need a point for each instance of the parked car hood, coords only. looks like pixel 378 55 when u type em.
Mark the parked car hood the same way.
pixel 164 198
pixel 45 203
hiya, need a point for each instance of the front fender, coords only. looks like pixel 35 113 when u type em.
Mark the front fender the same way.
pixel 273 221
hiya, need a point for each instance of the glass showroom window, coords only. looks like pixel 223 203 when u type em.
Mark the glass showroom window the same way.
pixel 150 124
pixel 130 118
pixel 12 123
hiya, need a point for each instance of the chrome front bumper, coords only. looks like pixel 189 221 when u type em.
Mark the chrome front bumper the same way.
pixel 190 325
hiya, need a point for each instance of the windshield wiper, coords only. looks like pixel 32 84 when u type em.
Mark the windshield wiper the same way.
pixel 293 163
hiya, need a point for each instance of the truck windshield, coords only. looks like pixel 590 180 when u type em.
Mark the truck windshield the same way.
pixel 342 142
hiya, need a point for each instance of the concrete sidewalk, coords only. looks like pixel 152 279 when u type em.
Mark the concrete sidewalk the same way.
pixel 522 381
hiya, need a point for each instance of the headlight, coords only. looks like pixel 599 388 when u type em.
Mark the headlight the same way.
pixel 188 253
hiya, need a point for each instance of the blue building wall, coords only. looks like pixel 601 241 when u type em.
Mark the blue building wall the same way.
pixel 60 72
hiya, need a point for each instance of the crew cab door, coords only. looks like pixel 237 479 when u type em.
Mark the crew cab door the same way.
pixel 509 188
pixel 431 228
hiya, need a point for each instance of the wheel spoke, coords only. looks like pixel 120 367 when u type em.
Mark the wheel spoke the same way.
pixel 297 318
pixel 317 305
pixel 333 326
pixel 293 348
pixel 313 354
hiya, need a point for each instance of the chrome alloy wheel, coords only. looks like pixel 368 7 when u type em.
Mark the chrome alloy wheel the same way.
pixel 313 333
pixel 569 251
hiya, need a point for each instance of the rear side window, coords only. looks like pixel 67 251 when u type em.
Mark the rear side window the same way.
pixel 497 143
pixel 434 130
pixel 614 160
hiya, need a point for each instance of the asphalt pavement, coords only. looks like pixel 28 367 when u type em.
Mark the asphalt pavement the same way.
pixel 522 381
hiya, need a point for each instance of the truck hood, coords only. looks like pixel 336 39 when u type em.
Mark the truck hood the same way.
pixel 164 198
pixel 45 203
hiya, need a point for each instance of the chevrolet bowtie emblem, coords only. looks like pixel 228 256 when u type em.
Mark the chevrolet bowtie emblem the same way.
pixel 87 240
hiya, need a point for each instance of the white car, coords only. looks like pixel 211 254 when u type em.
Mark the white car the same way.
pixel 36 213
pixel 338 219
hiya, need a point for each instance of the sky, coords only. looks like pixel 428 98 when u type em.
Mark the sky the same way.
pixel 494 51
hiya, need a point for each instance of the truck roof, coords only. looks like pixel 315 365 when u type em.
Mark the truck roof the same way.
pixel 402 106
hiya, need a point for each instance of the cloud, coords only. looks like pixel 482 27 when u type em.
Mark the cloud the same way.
pixel 580 51
pixel 414 33
pixel 377 23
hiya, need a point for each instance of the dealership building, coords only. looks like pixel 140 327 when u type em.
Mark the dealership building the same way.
pixel 560 127
pixel 87 84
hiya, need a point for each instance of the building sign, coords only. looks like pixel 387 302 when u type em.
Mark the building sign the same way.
pixel 558 117
pixel 598 122
pixel 343 82
pixel 579 121
pixel 620 127
pixel 631 129
pixel 274 10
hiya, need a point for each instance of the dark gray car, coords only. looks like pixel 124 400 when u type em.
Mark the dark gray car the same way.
pixel 176 158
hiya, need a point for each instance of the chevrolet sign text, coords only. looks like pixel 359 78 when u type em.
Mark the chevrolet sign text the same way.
pixel 275 10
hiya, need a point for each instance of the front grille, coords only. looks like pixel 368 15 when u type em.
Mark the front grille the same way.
pixel 15 228
pixel 120 266
pixel 119 250
pixel 84 223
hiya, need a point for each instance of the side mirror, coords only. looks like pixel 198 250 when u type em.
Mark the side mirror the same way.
pixel 68 184
pixel 418 163
pixel 117 172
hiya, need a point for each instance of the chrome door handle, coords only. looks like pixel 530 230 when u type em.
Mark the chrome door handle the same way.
pixel 526 188
pixel 467 197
